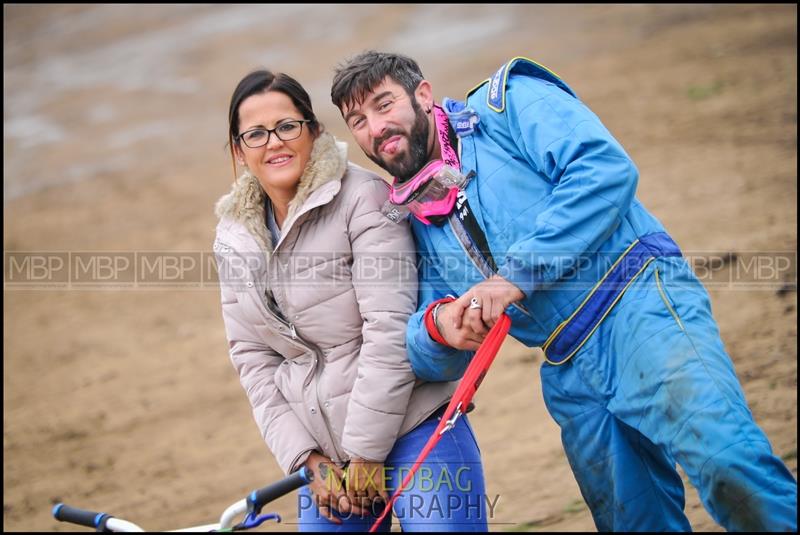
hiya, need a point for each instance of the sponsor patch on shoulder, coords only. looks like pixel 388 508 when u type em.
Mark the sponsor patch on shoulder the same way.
pixel 496 94
pixel 495 97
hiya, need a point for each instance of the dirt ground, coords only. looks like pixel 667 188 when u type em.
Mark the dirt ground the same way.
pixel 121 397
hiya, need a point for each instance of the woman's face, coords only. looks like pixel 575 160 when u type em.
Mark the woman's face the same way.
pixel 278 165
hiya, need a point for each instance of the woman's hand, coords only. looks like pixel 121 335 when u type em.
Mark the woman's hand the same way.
pixel 365 483
pixel 328 487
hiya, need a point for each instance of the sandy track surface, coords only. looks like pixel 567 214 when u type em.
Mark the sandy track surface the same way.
pixel 123 399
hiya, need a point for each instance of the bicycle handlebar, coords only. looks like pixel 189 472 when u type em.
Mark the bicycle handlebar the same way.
pixel 251 505
pixel 259 498
pixel 100 521
pixel 90 519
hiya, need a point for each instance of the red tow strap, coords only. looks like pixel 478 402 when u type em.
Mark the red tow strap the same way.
pixel 461 397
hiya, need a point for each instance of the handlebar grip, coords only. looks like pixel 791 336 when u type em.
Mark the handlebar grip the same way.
pixel 90 519
pixel 259 498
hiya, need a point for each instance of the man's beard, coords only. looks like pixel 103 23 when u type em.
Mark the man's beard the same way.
pixel 406 165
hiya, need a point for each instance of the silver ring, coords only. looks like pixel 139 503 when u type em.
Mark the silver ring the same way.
pixel 474 303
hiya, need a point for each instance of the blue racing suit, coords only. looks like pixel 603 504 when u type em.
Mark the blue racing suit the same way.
pixel 636 374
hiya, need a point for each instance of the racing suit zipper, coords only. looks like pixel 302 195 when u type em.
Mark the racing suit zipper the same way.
pixel 462 234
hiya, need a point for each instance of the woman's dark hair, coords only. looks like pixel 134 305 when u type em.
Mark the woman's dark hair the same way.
pixel 262 81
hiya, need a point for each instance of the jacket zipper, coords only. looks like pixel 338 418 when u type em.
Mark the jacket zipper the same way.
pixel 317 364
pixel 289 325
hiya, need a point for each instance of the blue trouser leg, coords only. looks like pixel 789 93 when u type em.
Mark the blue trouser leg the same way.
pixel 658 367
pixel 627 482
pixel 447 493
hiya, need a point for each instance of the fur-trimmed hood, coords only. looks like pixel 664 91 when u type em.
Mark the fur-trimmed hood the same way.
pixel 245 201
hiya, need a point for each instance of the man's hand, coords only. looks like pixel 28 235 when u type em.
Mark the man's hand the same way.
pixel 484 303
pixel 328 487
pixel 365 483
pixel 461 337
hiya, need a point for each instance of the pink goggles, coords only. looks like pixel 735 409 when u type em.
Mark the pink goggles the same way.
pixel 431 192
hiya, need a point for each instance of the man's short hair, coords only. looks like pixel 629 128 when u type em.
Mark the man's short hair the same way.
pixel 355 78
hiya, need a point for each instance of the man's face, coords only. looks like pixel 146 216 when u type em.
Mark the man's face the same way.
pixel 392 129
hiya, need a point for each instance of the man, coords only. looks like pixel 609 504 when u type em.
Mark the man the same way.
pixel 547 229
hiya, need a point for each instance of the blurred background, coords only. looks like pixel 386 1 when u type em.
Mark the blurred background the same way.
pixel 120 397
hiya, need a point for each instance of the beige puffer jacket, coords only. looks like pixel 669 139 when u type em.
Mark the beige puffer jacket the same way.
pixel 324 365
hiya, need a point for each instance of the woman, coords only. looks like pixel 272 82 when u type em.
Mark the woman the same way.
pixel 317 286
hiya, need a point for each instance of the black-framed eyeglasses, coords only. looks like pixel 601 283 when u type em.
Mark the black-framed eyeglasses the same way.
pixel 258 137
